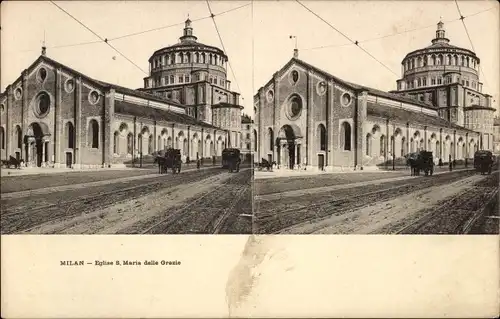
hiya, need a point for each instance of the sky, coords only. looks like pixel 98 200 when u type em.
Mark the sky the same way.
pixel 257 45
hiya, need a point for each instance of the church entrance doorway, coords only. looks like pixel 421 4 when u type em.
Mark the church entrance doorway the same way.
pixel 288 142
pixel 37 144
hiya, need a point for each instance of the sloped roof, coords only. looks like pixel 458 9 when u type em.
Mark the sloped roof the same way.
pixel 357 87
pixel 404 116
pixel 127 108
pixel 102 84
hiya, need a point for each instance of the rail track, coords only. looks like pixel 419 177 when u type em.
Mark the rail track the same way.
pixel 455 215
pixel 207 219
pixel 279 221
pixel 24 220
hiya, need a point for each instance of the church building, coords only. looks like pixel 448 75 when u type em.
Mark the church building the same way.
pixel 55 116
pixel 307 116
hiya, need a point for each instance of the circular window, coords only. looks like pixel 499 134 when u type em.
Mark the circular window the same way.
pixel 270 95
pixel 18 93
pixel 294 76
pixel 69 85
pixel 321 88
pixel 42 104
pixel 346 99
pixel 294 107
pixel 93 97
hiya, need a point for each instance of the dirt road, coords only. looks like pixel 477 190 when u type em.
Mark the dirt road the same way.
pixel 130 204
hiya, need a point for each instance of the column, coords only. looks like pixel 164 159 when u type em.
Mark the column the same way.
pixel 43 152
pixel 296 154
pixel 425 138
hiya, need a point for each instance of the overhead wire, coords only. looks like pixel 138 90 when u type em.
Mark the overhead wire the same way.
pixel 212 15
pixel 102 39
pixel 462 18
pixel 139 32
pixel 395 34
pixel 176 24
pixel 345 36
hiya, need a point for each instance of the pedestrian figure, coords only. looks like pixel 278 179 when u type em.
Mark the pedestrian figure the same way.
pixel 198 163
pixel 450 163
pixel 213 160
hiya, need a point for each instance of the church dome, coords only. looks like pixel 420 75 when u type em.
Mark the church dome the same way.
pixel 180 63
pixel 436 64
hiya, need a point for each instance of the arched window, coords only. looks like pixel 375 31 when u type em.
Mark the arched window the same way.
pixel 70 135
pixel 322 137
pixel 19 135
pixel 345 136
pixel 382 145
pixel 130 143
pixel 93 135
pixel 2 138
pixel 368 144
pixel 116 142
pixel 271 138
pixel 150 144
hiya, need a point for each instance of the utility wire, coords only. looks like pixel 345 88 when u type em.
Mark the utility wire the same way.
pixel 104 40
pixel 176 24
pixel 222 43
pixel 345 36
pixel 139 32
pixel 394 34
pixel 470 40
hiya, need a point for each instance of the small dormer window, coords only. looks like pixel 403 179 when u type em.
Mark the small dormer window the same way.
pixel 187 80
pixel 181 79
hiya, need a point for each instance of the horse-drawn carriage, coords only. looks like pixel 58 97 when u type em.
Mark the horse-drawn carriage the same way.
pixel 169 159
pixel 231 159
pixel 12 161
pixel 265 164
pixel 420 161
pixel 483 161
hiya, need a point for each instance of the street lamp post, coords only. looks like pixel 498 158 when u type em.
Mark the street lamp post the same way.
pixel 393 148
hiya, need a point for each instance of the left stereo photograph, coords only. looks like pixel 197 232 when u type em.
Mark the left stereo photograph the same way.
pixel 126 132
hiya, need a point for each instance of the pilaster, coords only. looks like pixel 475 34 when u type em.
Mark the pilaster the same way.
pixel 359 121
pixel 330 102
pixel 58 122
pixel 309 125
pixel 108 134
pixel 78 123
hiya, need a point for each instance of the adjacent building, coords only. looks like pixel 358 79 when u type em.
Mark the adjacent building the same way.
pixel 307 116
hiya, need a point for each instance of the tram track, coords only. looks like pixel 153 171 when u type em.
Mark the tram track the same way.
pixel 25 220
pixel 207 219
pixel 457 214
pixel 278 221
